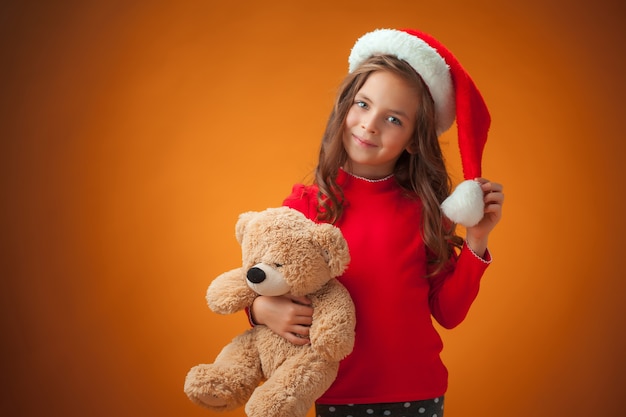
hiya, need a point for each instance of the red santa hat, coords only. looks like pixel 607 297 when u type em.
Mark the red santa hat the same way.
pixel 455 96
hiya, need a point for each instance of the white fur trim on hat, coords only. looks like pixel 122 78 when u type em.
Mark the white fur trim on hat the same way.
pixel 422 57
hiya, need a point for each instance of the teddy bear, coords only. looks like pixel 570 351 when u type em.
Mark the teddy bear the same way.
pixel 283 252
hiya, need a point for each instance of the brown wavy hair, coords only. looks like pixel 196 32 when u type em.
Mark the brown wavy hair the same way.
pixel 421 170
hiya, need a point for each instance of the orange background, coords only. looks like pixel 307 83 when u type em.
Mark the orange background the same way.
pixel 134 133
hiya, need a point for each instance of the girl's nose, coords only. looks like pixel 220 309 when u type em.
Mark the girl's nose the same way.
pixel 369 124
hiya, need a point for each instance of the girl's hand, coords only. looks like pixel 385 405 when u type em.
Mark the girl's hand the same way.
pixel 287 316
pixel 477 236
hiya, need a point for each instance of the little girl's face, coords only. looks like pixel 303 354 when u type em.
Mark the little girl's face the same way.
pixel 379 125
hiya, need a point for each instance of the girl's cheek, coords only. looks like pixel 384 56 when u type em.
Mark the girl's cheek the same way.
pixel 351 118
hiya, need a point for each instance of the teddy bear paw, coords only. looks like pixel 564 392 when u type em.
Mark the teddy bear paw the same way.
pixel 203 390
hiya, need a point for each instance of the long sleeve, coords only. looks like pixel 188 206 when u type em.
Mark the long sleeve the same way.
pixel 454 290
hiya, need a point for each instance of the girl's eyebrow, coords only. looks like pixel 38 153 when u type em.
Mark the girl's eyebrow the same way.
pixel 399 113
pixel 363 97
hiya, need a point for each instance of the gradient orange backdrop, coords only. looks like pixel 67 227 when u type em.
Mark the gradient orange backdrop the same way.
pixel 134 133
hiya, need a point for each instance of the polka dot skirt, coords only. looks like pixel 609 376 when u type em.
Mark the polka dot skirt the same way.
pixel 424 408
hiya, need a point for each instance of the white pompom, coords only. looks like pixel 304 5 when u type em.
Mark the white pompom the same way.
pixel 466 204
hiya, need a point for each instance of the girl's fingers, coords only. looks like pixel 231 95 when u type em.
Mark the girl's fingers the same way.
pixel 494 197
pixel 303 300
pixel 297 339
pixel 489 186
pixel 493 191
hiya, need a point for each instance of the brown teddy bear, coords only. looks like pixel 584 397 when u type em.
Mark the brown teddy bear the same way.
pixel 283 253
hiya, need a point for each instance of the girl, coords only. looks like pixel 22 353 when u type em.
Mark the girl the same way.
pixel 381 179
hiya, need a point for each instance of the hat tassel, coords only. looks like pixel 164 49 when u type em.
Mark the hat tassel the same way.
pixel 466 205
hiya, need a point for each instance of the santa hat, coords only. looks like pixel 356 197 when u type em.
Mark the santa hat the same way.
pixel 455 96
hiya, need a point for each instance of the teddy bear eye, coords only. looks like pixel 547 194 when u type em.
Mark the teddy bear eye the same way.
pixel 278 265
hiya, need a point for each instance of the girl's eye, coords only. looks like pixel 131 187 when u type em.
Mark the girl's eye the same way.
pixel 394 120
pixel 361 104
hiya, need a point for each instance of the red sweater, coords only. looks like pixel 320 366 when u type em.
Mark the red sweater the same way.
pixel 396 354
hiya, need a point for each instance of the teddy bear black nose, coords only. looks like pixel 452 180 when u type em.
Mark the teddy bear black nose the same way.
pixel 256 275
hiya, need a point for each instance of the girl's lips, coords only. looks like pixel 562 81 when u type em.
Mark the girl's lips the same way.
pixel 362 141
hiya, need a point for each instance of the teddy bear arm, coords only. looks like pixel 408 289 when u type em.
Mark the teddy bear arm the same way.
pixel 334 321
pixel 229 293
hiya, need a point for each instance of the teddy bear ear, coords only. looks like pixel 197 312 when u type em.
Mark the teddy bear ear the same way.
pixel 334 247
pixel 242 222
